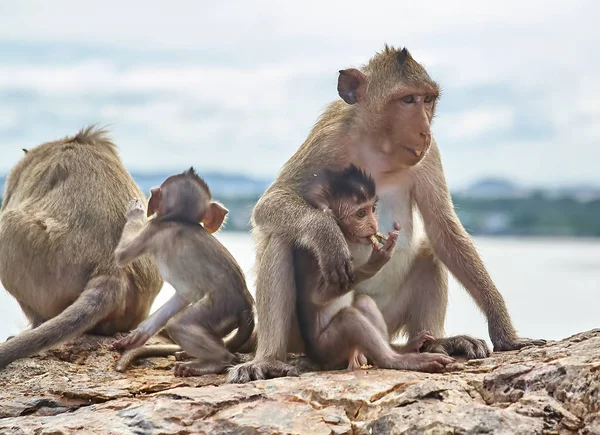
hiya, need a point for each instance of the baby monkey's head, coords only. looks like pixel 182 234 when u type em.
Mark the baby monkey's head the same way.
pixel 349 196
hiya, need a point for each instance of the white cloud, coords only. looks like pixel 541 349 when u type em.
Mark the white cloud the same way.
pixel 237 87
pixel 473 123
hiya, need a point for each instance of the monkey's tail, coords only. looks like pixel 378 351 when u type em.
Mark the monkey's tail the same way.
pixel 101 297
pixel 244 332
pixel 145 352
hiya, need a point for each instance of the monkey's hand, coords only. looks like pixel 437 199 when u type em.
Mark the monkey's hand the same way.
pixel 135 339
pixel 335 262
pixel 135 210
pixel 380 256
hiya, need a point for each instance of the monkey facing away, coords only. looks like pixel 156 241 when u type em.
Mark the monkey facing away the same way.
pixel 211 298
pixel 335 326
pixel 382 124
pixel 61 219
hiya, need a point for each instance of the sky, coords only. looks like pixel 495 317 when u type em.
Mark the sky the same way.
pixel 235 86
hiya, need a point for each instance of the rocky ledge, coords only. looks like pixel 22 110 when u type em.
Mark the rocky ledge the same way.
pixel 547 390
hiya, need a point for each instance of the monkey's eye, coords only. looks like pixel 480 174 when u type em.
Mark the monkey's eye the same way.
pixel 429 99
pixel 361 213
pixel 408 99
pixel 374 208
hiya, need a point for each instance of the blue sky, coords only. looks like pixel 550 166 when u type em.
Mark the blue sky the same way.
pixel 235 86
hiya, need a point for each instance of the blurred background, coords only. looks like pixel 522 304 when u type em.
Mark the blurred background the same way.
pixel 234 87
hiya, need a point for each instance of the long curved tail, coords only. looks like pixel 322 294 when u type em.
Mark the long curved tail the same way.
pixel 244 332
pixel 145 352
pixel 101 297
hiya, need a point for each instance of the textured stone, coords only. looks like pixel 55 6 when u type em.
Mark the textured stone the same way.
pixel 553 389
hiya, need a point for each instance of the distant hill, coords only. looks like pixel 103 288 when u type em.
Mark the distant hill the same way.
pixel 221 185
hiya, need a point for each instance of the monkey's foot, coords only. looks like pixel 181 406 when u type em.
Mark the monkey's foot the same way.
pixel 134 339
pixel 198 368
pixel 135 209
pixel 416 343
pixel 182 356
pixel 431 362
pixel 459 345
pixel 357 360
pixel 516 344
pixel 255 370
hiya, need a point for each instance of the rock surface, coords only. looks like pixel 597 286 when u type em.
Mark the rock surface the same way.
pixel 547 390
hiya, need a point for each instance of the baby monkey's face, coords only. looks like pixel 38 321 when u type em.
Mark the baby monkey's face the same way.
pixel 358 220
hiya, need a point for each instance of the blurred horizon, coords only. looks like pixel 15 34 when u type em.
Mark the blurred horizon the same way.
pixel 232 89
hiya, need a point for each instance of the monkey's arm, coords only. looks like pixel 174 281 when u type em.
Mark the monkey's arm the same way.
pixel 454 247
pixel 136 236
pixel 152 324
pixel 285 214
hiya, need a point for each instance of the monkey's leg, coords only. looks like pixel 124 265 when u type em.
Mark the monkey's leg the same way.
pixel 102 296
pixel 427 286
pixel 152 324
pixel 275 304
pixel 199 331
pixel 367 306
pixel 350 328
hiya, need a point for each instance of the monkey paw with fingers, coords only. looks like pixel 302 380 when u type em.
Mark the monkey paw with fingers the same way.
pixel 131 341
pixel 460 345
pixel 516 344
pixel 135 209
pixel 415 343
pixel 381 255
pixel 428 362
pixel 357 360
pixel 257 370
pixel 336 268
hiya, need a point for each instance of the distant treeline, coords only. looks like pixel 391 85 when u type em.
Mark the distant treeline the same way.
pixel 535 215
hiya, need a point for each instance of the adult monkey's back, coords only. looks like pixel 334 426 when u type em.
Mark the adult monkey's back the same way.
pixel 383 126
pixel 62 216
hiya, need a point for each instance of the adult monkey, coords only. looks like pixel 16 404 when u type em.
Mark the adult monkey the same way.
pixel 60 222
pixel 383 126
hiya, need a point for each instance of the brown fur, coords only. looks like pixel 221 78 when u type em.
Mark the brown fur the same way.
pixel 211 298
pixel 61 219
pixel 337 328
pixel 375 128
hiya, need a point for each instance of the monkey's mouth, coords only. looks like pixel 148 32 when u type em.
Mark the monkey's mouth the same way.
pixel 417 153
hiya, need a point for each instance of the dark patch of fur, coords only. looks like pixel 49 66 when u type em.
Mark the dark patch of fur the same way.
pixel 351 182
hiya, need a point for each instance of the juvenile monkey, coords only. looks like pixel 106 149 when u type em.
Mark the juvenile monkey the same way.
pixel 211 298
pixel 335 326
pixel 61 219
pixel 381 123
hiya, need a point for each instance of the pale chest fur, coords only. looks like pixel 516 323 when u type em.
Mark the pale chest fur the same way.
pixel 395 205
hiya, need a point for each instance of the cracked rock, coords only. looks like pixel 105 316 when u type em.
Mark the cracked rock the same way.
pixel 554 389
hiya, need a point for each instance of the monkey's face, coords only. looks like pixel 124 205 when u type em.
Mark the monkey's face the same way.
pixel 396 98
pixel 406 121
pixel 358 221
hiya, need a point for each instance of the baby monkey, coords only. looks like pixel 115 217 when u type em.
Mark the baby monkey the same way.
pixel 211 297
pixel 339 328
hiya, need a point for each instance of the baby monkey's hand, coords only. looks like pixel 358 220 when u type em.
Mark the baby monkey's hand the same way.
pixel 381 255
pixel 135 209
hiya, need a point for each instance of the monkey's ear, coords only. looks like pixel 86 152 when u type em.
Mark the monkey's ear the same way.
pixel 351 83
pixel 154 202
pixel 25 150
pixel 214 216
pixel 316 196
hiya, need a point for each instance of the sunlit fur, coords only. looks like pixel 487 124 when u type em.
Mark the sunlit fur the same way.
pixel 372 127
pixel 61 219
